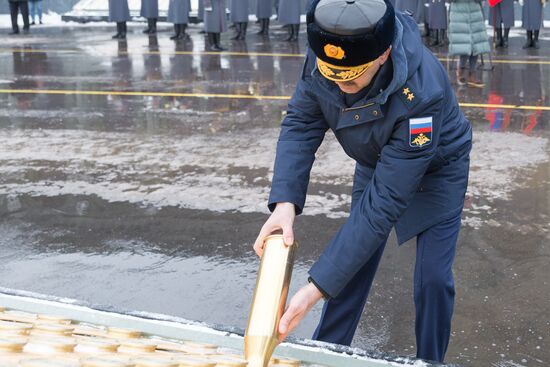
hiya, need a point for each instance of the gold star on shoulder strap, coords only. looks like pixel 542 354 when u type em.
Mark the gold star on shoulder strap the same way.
pixel 410 97
pixel 406 91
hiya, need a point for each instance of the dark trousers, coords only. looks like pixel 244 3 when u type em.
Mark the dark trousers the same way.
pixel 433 294
pixel 15 7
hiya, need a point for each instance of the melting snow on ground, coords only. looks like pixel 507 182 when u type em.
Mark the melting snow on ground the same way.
pixel 164 170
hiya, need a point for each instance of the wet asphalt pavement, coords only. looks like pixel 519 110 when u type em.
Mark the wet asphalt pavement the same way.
pixel 152 201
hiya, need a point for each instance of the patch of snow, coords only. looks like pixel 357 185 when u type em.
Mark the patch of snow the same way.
pixel 165 170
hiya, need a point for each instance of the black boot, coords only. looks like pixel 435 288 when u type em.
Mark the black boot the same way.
pixel 148 29
pixel 123 32
pixel 498 42
pixel 435 40
pixel 183 35
pixel 262 26
pixel 238 31
pixel 505 37
pixel 266 28
pixel 217 45
pixel 244 27
pixel 536 40
pixel 15 30
pixel 153 26
pixel 211 41
pixel 442 37
pixel 177 32
pixel 295 33
pixel 290 32
pixel 118 30
pixel 427 30
pixel 529 42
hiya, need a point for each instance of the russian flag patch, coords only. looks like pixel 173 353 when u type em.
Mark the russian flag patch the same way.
pixel 420 131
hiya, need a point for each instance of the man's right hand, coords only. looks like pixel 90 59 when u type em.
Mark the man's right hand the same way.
pixel 282 218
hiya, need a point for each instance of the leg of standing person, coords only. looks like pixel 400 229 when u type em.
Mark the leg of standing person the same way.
pixel 462 70
pixel 296 32
pixel 24 6
pixel 32 10
pixel 177 32
pixel 529 42
pixel 434 288
pixel 536 39
pixel 13 14
pixel 473 80
pixel 505 37
pixel 39 9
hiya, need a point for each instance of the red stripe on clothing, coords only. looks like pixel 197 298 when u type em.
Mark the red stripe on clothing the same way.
pixel 424 130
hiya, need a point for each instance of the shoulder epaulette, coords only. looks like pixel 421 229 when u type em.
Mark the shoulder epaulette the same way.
pixel 408 96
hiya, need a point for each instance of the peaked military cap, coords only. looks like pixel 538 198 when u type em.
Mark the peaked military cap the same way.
pixel 348 35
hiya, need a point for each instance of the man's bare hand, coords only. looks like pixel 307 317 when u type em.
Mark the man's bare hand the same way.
pixel 282 218
pixel 297 309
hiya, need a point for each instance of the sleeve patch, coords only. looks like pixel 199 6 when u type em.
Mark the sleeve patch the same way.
pixel 420 131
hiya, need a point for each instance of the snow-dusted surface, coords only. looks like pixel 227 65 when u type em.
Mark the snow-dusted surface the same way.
pixel 163 170
pixel 100 8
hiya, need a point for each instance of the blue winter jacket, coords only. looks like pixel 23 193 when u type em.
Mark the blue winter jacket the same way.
pixel 399 180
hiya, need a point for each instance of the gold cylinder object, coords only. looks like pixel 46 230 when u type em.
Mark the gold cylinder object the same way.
pixel 269 301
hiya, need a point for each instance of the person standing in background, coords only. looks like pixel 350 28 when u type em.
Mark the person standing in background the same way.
pixel 502 16
pixel 119 13
pixel 467 38
pixel 264 11
pixel 532 21
pixel 200 11
pixel 239 16
pixel 438 22
pixel 289 15
pixel 178 13
pixel 414 7
pixel 215 23
pixel 15 7
pixel 150 11
pixel 36 9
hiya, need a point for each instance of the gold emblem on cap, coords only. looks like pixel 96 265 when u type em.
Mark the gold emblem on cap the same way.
pixel 334 52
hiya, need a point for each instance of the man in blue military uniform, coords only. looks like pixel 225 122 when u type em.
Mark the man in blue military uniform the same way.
pixel 389 102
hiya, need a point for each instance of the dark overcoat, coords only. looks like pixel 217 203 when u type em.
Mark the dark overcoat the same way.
pixel 200 12
pixel 178 11
pixel 264 8
pixel 532 15
pixel 149 8
pixel 290 11
pixel 239 11
pixel 215 20
pixel 119 11
pixel 502 14
pixel 415 7
pixel 402 180
pixel 438 14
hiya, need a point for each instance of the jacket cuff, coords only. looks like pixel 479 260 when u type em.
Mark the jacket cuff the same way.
pixel 288 198
pixel 326 297
pixel 327 277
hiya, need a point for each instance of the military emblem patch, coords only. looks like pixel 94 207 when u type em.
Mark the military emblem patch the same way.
pixel 420 131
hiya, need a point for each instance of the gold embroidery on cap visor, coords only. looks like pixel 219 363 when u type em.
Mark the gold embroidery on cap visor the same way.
pixel 342 73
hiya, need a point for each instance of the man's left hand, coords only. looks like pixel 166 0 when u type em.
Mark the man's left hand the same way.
pixel 297 309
